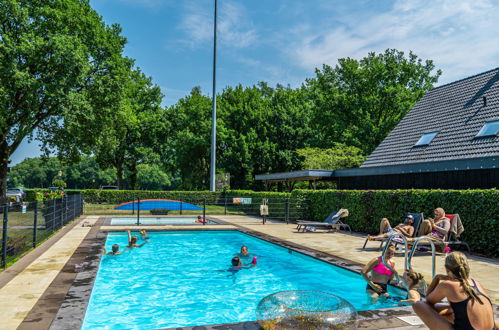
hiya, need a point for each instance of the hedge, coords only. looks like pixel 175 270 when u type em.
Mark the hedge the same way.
pixel 31 192
pixel 479 210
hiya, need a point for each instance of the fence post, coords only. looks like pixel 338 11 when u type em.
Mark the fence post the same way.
pixel 81 205
pixel 61 210
pixel 138 211
pixel 204 211
pixel 74 207
pixel 54 212
pixel 35 224
pixel 64 211
pixel 225 206
pixel 4 234
pixel 133 207
pixel 287 210
pixel 180 207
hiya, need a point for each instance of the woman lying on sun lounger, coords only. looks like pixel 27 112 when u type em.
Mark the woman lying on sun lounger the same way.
pixel 386 230
pixel 437 228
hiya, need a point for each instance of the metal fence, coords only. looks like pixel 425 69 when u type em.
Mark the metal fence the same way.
pixel 284 209
pixel 25 225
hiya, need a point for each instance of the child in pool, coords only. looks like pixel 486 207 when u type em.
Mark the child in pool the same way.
pixel 115 250
pixel 143 234
pixel 412 279
pixel 132 241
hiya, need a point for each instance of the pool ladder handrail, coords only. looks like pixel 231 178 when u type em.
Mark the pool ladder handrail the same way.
pixel 413 250
pixel 405 257
pixel 411 254
pixel 388 244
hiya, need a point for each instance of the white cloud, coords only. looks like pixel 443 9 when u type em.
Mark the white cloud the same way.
pixel 461 36
pixel 235 29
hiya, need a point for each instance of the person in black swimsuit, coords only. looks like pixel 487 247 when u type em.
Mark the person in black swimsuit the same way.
pixel 468 309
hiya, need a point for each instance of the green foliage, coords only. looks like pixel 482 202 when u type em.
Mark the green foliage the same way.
pixel 38 172
pixel 338 157
pixel 59 183
pixel 59 65
pixel 43 194
pixel 135 131
pixel 152 177
pixel 46 195
pixel 478 209
pixel 359 102
pixel 189 146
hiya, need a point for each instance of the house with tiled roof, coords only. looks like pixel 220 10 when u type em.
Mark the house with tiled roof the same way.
pixel 449 139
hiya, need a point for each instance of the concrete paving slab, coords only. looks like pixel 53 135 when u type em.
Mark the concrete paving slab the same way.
pixel 349 246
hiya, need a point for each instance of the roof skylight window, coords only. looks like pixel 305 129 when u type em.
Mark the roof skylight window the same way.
pixel 489 129
pixel 426 139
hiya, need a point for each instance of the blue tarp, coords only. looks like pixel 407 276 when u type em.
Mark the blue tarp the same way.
pixel 149 204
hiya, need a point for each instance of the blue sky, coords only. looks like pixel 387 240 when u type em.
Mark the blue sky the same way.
pixel 282 41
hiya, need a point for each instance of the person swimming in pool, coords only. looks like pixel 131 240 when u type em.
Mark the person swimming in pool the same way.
pixel 200 220
pixel 412 279
pixel 380 275
pixel 143 234
pixel 115 250
pixel 132 241
pixel 247 258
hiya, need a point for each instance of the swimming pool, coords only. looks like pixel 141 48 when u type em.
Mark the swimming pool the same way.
pixel 180 279
pixel 158 221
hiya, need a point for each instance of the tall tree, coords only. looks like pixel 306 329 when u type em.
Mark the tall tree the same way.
pixel 134 133
pixel 337 157
pixel 57 66
pixel 359 102
pixel 191 128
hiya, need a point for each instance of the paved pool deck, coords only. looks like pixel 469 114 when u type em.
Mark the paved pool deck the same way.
pixel 32 279
pixel 349 246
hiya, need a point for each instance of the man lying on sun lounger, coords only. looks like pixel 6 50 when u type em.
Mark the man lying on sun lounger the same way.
pixel 386 230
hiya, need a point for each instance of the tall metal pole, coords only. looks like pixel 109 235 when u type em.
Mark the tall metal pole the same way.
pixel 214 110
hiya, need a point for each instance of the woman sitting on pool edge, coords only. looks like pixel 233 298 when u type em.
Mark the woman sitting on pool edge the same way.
pixel 380 275
pixel 132 241
pixel 468 307
pixel 247 259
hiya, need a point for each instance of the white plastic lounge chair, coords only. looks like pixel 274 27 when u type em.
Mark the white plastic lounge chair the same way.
pixel 332 222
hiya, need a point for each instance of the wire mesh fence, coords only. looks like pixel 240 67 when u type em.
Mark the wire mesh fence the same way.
pixel 285 209
pixel 25 225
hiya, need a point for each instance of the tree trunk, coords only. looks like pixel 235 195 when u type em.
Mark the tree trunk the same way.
pixel 133 176
pixel 4 163
pixel 119 176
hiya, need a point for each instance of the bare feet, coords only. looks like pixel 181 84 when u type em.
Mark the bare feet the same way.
pixel 369 238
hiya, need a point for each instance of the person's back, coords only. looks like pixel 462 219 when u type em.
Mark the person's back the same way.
pixel 465 308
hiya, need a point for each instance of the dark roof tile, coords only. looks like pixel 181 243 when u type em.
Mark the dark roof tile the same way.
pixel 456 111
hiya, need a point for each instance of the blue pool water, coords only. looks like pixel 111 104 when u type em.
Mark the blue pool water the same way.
pixel 180 279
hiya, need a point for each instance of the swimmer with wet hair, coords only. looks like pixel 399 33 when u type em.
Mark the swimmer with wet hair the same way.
pixel 132 241
pixel 143 234
pixel 115 250
pixel 236 262
pixel 412 279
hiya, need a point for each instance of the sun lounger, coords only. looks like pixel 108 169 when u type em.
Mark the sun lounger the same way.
pixel 332 222
pixel 451 238
pixel 418 218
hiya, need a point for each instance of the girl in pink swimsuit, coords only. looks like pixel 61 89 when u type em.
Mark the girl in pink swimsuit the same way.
pixel 380 275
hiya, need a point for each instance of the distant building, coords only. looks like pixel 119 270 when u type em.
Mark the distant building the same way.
pixel 449 140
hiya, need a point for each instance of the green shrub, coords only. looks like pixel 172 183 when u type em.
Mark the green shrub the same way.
pixel 479 210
